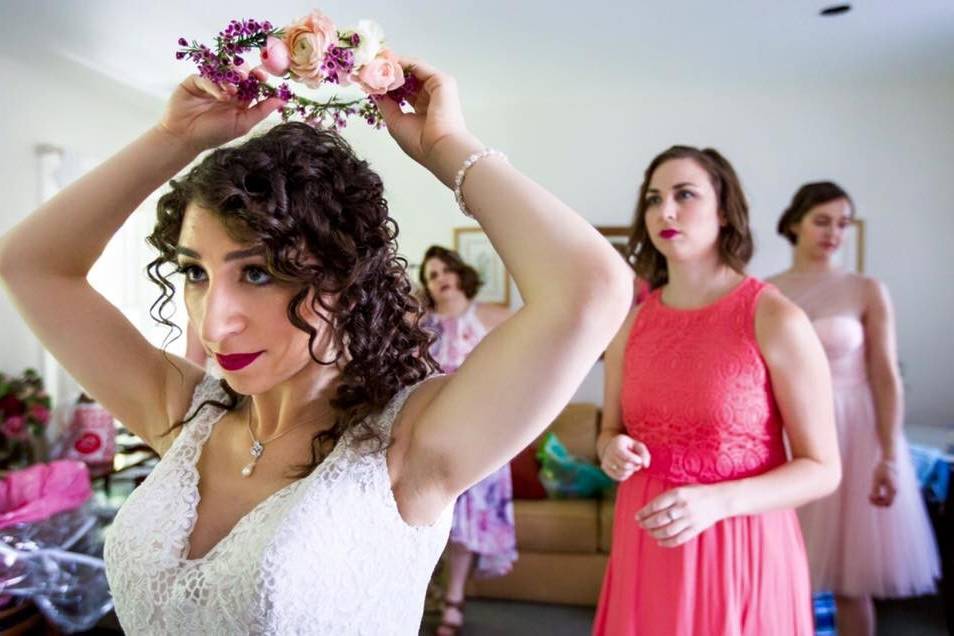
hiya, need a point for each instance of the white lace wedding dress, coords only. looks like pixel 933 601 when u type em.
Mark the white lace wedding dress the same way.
pixel 328 554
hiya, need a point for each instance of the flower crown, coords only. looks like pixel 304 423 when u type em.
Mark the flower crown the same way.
pixel 310 51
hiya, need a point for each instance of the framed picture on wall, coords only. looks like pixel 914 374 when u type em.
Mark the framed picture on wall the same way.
pixel 475 248
pixel 852 252
pixel 617 235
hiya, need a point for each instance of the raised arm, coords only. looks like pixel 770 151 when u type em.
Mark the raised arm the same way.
pixel 88 335
pixel 576 291
pixel 492 315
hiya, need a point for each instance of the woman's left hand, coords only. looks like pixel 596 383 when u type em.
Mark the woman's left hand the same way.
pixel 678 515
pixel 884 484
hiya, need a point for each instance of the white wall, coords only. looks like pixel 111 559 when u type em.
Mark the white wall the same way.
pixel 890 145
pixel 65 105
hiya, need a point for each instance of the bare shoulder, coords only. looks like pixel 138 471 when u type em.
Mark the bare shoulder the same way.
pixel 492 314
pixel 873 290
pixel 779 323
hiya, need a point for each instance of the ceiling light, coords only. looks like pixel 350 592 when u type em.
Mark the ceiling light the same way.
pixel 835 9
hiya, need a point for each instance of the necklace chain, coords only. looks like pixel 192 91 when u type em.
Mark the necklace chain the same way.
pixel 258 446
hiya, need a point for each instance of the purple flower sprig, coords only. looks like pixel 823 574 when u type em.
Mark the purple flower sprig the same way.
pixel 327 114
pixel 231 43
pixel 334 114
pixel 338 63
pixel 241 36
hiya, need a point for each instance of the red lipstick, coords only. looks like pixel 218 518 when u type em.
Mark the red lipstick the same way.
pixel 668 234
pixel 236 361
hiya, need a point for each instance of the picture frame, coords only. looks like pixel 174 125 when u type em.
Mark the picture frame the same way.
pixel 851 256
pixel 476 250
pixel 617 235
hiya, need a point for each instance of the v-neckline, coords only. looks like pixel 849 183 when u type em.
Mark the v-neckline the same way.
pixel 193 488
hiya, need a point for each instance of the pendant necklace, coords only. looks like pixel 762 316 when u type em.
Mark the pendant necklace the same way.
pixel 258 446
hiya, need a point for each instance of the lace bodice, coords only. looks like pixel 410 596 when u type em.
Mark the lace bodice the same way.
pixel 327 554
pixel 697 392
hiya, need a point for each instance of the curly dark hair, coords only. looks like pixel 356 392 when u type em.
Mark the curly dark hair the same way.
pixel 807 197
pixel 319 214
pixel 735 238
pixel 470 282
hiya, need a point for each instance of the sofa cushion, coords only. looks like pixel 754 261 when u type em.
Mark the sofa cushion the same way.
pixel 557 526
pixel 576 426
pixel 607 510
pixel 525 472
pixel 573 579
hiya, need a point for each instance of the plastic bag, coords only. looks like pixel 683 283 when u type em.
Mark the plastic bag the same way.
pixel 567 477
pixel 54 560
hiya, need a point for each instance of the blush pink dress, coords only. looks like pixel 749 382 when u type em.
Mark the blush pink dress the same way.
pixel 855 548
pixel 697 392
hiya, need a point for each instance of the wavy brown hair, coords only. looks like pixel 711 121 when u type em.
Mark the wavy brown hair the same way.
pixel 469 278
pixel 320 216
pixel 735 242
pixel 807 197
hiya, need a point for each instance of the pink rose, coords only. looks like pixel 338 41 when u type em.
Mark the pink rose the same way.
pixel 275 57
pixel 40 413
pixel 14 427
pixel 307 40
pixel 381 75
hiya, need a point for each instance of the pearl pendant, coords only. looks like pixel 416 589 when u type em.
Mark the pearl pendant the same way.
pixel 247 469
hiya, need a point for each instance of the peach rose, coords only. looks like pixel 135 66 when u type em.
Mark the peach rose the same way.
pixel 381 75
pixel 275 57
pixel 307 40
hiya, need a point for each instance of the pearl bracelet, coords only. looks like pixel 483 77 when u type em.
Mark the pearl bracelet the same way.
pixel 459 179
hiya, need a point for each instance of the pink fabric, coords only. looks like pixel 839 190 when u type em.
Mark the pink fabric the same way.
pixel 42 490
pixel 856 548
pixel 696 391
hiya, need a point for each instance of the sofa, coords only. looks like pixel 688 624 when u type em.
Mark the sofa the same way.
pixel 563 544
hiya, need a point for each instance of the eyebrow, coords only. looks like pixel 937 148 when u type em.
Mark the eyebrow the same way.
pixel 231 256
pixel 675 187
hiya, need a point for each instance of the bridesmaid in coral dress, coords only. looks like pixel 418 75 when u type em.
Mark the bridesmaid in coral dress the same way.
pixel 701 382
pixel 872 537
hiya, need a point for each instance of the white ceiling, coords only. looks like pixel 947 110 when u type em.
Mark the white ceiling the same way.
pixel 500 48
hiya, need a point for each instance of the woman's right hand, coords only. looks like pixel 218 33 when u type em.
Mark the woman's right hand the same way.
pixel 622 456
pixel 203 115
pixel 884 484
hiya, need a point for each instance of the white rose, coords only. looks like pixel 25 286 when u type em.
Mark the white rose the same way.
pixel 372 41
